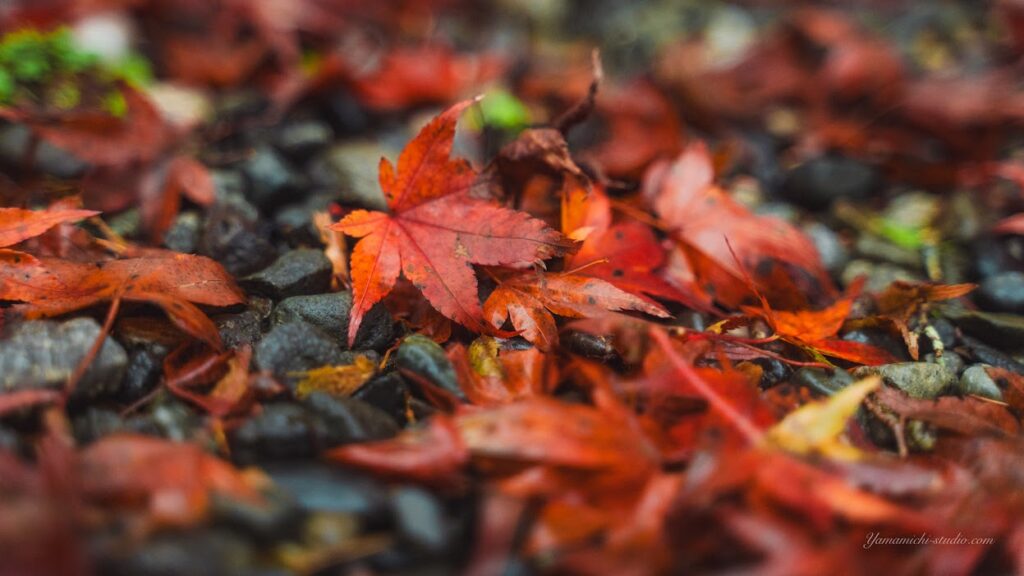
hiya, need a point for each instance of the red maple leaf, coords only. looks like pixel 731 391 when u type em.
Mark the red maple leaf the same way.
pixel 435 231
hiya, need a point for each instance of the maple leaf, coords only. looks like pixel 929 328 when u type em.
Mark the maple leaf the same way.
pixel 18 225
pixel 626 254
pixel 816 329
pixel 706 219
pixel 901 301
pixel 527 297
pixel 435 231
pixel 51 287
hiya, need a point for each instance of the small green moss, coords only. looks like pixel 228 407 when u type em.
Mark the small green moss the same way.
pixel 115 104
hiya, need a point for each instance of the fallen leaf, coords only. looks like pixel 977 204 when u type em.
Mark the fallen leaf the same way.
pixel 816 427
pixel 51 287
pixel 435 231
pixel 18 224
pixel 529 299
pixel 337 380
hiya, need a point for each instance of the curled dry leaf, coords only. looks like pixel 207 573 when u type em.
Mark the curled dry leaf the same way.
pixel 176 283
pixel 529 299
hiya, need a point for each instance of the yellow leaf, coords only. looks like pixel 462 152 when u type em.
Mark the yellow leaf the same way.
pixel 337 380
pixel 816 427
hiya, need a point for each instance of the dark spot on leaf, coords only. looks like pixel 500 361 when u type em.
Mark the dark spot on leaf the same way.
pixel 618 273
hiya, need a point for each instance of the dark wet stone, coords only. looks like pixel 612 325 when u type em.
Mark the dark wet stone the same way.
pixel 975 380
pixel 279 431
pixel 991 256
pixel 269 177
pixel 285 431
pixel 167 418
pixel 815 184
pixel 15 139
pixel 295 222
pixel 1004 331
pixel 345 113
pixel 949 359
pixel 387 392
pixel 10 441
pixel 194 552
pixel 772 371
pixel 879 339
pixel 875 248
pixel 330 313
pixel 303 271
pixel 232 238
pixel 834 255
pixel 229 186
pixel 184 233
pixel 278 516
pixel 43 354
pixel 327 488
pixel 95 423
pixel 879 274
pixel 985 354
pixel 145 366
pixel 420 519
pixel 419 357
pixel 298 140
pixel 296 347
pixel 822 381
pixel 918 379
pixel 351 169
pixel 238 329
pixel 1003 292
pixel 590 346
pixel 349 419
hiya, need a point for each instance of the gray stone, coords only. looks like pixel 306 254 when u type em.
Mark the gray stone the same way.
pixel 318 486
pixel 43 354
pixel 303 271
pixel 269 177
pixel 879 275
pixel 975 380
pixel 351 169
pixel 296 347
pixel 15 139
pixel 422 358
pixel 231 236
pixel 870 246
pixel 949 359
pixel 918 379
pixel 238 329
pixel 822 381
pixel 817 182
pixel 1002 293
pixel 833 253
pixel 184 233
pixel 330 313
pixel 420 518
pixel 998 329
pixel 298 140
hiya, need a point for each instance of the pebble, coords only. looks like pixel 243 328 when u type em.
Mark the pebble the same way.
pixel 184 233
pixel 1004 331
pixel 1003 292
pixel 823 381
pixel 387 392
pixel 975 380
pixel 819 181
pixel 319 486
pixel 298 272
pixel 296 347
pixel 420 519
pixel 879 274
pixel 984 354
pixel 833 253
pixel 918 379
pixel 285 431
pixel 298 140
pixel 425 358
pixel 351 169
pixel 238 329
pixel 879 339
pixel 196 552
pixel 330 313
pixel 233 238
pixel 44 353
pixel 269 178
